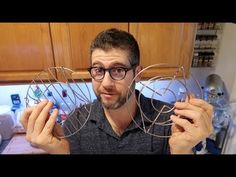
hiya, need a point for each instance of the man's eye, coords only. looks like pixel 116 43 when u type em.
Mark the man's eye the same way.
pixel 99 70
pixel 118 70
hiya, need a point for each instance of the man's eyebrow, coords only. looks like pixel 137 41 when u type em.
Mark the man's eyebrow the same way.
pixel 119 64
pixel 97 63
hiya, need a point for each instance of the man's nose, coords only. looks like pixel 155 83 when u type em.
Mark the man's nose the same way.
pixel 107 80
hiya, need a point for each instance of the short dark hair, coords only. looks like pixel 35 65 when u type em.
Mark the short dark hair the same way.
pixel 116 38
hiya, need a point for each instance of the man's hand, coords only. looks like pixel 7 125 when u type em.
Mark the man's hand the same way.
pixel 191 124
pixel 40 128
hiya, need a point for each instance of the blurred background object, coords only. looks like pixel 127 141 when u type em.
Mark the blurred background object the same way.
pixel 216 93
pixel 7 122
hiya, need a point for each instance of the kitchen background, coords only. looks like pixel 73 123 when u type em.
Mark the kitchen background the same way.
pixel 222 64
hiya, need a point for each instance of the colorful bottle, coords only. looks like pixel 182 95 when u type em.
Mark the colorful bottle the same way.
pixel 66 105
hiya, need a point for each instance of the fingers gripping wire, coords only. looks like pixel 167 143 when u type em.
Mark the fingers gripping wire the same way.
pixel 162 87
pixel 71 97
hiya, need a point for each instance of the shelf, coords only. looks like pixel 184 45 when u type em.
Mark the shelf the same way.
pixel 204 50
pixel 206 44
pixel 207 32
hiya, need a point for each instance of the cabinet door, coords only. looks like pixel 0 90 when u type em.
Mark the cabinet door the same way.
pixel 25 50
pixel 169 43
pixel 71 42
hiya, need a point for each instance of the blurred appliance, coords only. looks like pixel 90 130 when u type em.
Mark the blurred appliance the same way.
pixel 7 122
pixel 18 109
pixel 215 91
pixel 217 95
pixel 16 102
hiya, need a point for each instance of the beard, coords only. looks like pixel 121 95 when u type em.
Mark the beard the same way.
pixel 120 101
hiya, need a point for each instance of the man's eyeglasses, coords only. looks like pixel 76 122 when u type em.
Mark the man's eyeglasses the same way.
pixel 116 73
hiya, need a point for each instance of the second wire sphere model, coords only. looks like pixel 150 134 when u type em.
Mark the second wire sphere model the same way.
pixel 162 87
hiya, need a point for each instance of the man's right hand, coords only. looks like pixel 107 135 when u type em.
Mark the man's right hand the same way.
pixel 41 128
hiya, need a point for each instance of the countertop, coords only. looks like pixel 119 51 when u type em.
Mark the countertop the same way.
pixel 19 145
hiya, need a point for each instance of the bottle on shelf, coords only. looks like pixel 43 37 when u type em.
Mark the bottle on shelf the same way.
pixel 66 105
pixel 37 94
pixel 51 98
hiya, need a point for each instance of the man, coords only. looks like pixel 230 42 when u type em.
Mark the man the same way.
pixel 110 128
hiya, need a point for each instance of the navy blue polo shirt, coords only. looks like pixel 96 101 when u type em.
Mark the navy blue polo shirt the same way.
pixel 98 137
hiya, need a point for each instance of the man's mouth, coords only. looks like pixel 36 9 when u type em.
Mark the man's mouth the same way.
pixel 107 94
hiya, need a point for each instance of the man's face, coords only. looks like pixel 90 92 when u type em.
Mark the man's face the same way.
pixel 111 93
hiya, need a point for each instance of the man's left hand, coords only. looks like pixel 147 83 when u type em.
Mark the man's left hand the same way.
pixel 191 124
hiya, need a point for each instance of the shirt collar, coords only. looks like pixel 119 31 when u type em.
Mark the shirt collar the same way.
pixel 99 118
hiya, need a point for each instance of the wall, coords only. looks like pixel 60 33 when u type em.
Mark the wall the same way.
pixel 22 90
pixel 6 91
pixel 233 91
pixel 226 62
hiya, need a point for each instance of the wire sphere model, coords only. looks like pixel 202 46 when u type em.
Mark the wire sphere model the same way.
pixel 71 97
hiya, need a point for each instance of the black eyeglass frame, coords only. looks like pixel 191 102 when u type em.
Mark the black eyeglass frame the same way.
pixel 109 71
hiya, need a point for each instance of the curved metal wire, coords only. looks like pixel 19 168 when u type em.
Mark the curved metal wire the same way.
pixel 77 98
pixel 166 108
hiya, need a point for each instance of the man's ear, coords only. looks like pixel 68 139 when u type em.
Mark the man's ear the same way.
pixel 137 70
